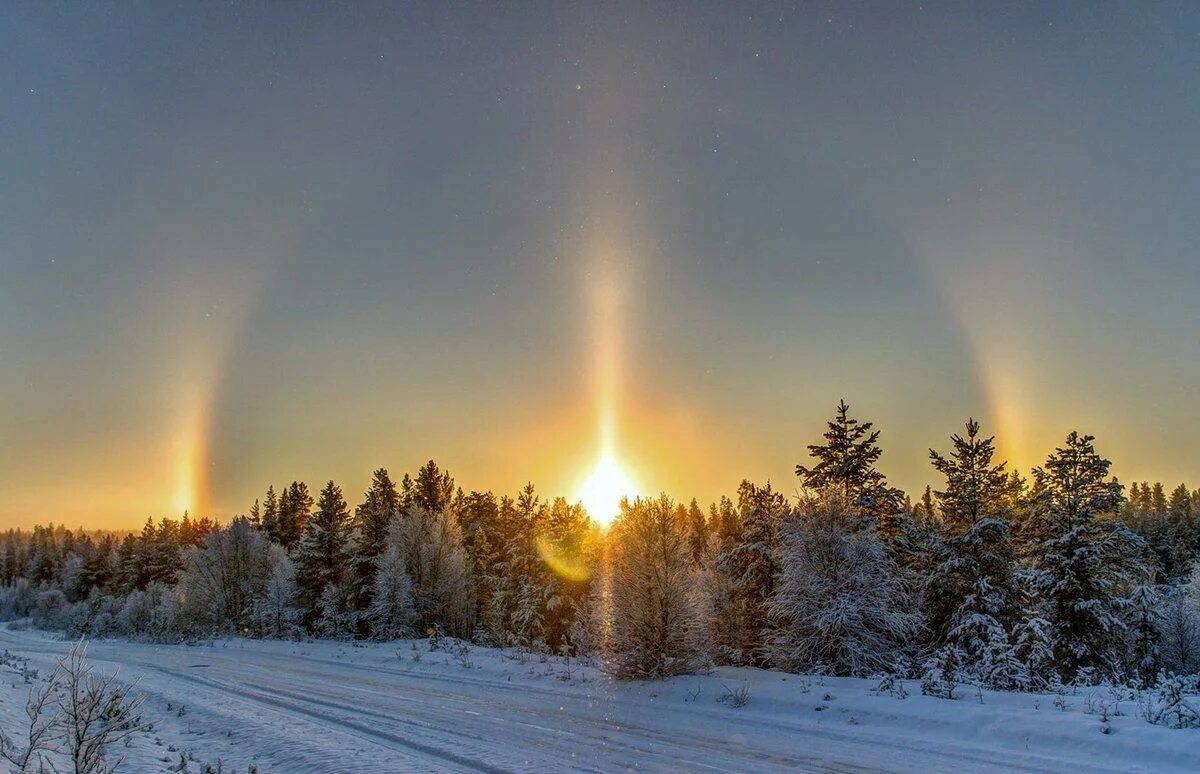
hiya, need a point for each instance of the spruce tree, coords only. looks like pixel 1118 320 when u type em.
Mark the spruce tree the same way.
pixel 294 507
pixel 270 515
pixel 323 553
pixel 846 462
pixel 1084 562
pixel 971 596
pixel 751 566
pixel 698 532
pixel 381 503
pixel 432 489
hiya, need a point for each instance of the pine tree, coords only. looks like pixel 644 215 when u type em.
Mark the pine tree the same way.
pixel 323 553
pixel 527 574
pixel 380 504
pixel 295 504
pixel 432 489
pixel 1084 561
pixel 484 539
pixel 1144 632
pixel 751 566
pixel 1181 528
pixel 971 597
pixel 698 531
pixel 846 461
pixel 270 515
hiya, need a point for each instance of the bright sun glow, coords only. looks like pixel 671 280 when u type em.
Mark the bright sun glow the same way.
pixel 601 492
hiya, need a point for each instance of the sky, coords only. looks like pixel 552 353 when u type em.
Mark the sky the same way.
pixel 246 243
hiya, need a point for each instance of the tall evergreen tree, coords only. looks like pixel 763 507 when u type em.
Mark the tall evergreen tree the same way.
pixel 1085 562
pixel 294 508
pixel 270 515
pixel 752 565
pixel 846 462
pixel 432 489
pixel 323 553
pixel 380 504
pixel 971 597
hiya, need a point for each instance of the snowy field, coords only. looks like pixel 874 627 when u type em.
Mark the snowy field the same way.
pixel 324 706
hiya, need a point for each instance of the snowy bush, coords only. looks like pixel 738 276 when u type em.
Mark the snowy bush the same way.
pixel 1173 701
pixel 49 609
pixel 16 600
pixel 838 602
pixel 76 714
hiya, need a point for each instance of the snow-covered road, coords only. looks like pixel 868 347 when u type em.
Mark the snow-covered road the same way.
pixel 336 707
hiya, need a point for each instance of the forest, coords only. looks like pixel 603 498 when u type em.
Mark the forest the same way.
pixel 989 578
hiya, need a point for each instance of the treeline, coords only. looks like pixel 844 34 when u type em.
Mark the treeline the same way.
pixel 990 578
pixel 414 557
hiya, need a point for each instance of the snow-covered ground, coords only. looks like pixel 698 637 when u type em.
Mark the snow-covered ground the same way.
pixel 324 706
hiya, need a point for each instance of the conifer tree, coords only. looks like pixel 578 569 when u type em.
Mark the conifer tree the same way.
pixel 698 531
pixel 483 540
pixel 1144 632
pixel 1085 562
pixel 432 489
pixel 751 566
pixel 380 504
pixel 294 508
pixel 971 596
pixel 322 556
pixel 270 515
pixel 846 461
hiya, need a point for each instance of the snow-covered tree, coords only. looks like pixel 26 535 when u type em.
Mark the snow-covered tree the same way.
pixel 656 630
pixel 274 613
pixel 431 544
pixel 393 611
pixel 1179 626
pixel 1085 562
pixel 751 565
pixel 971 598
pixel 1143 632
pixel 337 615
pixel 838 602
pixel 224 578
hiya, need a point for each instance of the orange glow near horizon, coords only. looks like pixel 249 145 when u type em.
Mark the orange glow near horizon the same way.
pixel 608 482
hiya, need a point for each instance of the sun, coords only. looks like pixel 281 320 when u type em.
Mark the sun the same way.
pixel 603 489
